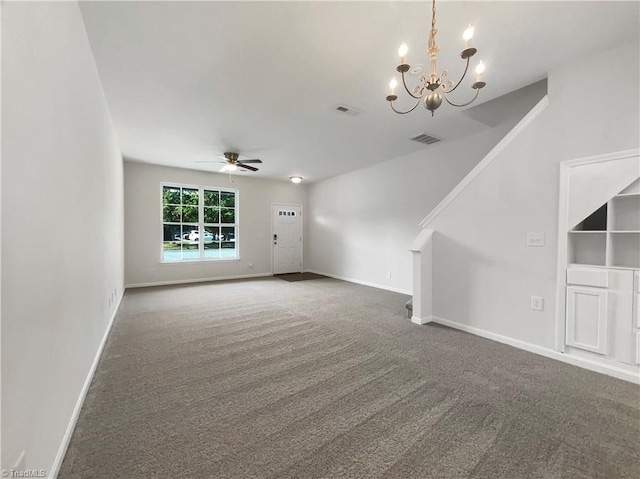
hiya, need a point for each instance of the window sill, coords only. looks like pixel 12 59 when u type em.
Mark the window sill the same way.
pixel 191 261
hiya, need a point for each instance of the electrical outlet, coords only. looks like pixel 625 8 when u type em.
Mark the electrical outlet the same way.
pixel 537 303
pixel 389 274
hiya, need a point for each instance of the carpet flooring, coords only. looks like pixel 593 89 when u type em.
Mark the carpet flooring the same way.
pixel 326 379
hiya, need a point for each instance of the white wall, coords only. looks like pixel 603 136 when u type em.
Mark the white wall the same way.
pixel 143 223
pixel 361 224
pixel 484 275
pixel 62 224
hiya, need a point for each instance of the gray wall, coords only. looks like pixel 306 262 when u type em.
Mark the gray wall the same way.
pixel 484 274
pixel 62 224
pixel 143 223
pixel 372 214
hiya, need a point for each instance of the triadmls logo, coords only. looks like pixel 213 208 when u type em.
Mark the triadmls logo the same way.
pixel 24 473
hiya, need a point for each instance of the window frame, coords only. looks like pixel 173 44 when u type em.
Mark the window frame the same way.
pixel 201 223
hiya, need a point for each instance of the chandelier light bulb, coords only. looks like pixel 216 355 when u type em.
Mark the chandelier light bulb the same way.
pixel 402 51
pixel 479 70
pixel 468 33
pixel 392 86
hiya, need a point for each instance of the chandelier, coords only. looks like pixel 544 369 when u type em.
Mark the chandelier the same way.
pixel 427 91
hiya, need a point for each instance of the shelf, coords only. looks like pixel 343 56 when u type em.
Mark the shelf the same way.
pixel 624 213
pixel 588 249
pixel 625 250
pixel 599 266
pixel 591 245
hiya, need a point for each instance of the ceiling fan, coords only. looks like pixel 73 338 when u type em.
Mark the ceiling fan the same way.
pixel 232 162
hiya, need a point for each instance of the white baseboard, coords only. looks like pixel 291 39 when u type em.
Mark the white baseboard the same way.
pixel 364 283
pixel 62 450
pixel 198 280
pixel 416 320
pixel 631 374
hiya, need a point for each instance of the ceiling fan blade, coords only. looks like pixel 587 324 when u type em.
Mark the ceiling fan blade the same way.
pixel 249 161
pixel 247 167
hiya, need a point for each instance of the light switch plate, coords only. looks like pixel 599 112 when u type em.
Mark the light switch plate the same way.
pixel 535 239
pixel 537 303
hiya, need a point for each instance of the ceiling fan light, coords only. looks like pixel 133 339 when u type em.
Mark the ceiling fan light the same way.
pixel 295 179
pixel 231 167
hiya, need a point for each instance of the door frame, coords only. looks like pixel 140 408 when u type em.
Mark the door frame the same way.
pixel 301 234
pixel 563 228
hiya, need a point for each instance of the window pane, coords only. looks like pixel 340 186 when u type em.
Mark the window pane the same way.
pixel 190 252
pixel 227 215
pixel 190 214
pixel 228 233
pixel 211 198
pixel 213 233
pixel 189 196
pixel 211 214
pixel 228 250
pixel 171 244
pixel 212 250
pixel 170 195
pixel 227 199
pixel 171 214
pixel 208 235
pixel 190 234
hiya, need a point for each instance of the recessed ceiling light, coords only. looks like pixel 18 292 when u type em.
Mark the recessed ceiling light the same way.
pixel 416 69
pixel 295 179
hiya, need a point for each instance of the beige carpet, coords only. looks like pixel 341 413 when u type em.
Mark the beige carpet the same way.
pixel 274 379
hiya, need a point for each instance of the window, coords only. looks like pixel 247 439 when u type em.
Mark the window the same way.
pixel 199 223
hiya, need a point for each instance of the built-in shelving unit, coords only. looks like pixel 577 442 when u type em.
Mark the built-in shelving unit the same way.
pixel 610 236
pixel 599 262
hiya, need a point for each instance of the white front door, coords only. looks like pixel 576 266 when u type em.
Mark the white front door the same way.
pixel 287 239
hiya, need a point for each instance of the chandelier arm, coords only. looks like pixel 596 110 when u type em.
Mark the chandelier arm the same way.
pixel 404 112
pixel 464 104
pixel 407 89
pixel 461 78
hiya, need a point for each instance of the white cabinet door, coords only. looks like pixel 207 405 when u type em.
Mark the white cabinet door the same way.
pixel 587 319
pixel 622 340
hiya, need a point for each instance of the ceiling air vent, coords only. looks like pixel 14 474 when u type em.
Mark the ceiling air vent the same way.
pixel 426 139
pixel 348 110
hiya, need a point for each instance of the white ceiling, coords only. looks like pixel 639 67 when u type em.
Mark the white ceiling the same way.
pixel 188 81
